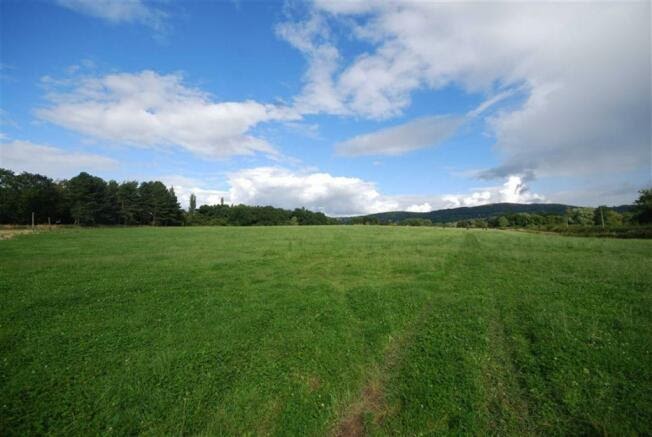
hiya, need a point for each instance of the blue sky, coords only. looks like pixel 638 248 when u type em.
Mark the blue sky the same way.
pixel 344 107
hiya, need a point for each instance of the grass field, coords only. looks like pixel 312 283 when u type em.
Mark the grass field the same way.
pixel 324 330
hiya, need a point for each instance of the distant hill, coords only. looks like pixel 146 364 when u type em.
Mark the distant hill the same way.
pixel 474 212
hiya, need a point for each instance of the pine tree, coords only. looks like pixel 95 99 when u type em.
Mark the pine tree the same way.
pixel 129 203
pixel 87 197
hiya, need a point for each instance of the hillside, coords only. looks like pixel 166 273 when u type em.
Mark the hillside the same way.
pixel 473 212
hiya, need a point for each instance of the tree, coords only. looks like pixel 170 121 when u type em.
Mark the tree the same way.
pixel 416 222
pixel 173 213
pixel 604 216
pixel 27 193
pixel 88 199
pixel 111 212
pixel 643 206
pixel 464 224
pixel 580 216
pixel 193 204
pixel 8 196
pixel 129 208
pixel 159 205
pixel 503 222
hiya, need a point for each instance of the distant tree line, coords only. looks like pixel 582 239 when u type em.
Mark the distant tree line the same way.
pixel 243 215
pixel 89 200
pixel 573 218
pixel 601 216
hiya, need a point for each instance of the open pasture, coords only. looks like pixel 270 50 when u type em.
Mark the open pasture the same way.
pixel 344 330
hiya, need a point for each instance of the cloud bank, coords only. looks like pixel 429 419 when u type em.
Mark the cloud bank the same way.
pixel 335 195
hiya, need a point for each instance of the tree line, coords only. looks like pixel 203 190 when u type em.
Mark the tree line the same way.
pixel 89 200
pixel 85 200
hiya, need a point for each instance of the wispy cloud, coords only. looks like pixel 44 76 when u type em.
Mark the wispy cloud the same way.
pixel 119 11
pixel 397 140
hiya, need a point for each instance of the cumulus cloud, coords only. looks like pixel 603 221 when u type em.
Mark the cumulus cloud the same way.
pixel 514 190
pixel 147 109
pixel 583 69
pixel 118 11
pixel 334 195
pixel 396 140
pixel 22 156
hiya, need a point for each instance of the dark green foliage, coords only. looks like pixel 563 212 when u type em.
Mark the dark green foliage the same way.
pixel 580 216
pixel 643 207
pixel 365 220
pixel 85 200
pixel 22 194
pixel 502 222
pixel 88 200
pixel 129 204
pixel 306 217
pixel 243 215
pixel 159 206
pixel 416 222
pixel 604 216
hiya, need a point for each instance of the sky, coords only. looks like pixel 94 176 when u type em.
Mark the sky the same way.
pixel 344 107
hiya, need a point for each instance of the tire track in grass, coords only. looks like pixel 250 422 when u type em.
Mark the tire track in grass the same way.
pixel 506 404
pixel 451 371
pixel 371 407
pixel 507 407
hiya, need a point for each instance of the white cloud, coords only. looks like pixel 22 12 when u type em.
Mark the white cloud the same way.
pixel 185 186
pixel 147 109
pixel 514 190
pixel 334 195
pixel 50 161
pixel 424 207
pixel 396 140
pixel 118 11
pixel 584 70
pixel 319 93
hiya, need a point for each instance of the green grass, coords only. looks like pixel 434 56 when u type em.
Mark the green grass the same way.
pixel 324 330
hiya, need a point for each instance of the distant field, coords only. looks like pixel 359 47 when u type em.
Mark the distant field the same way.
pixel 324 330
